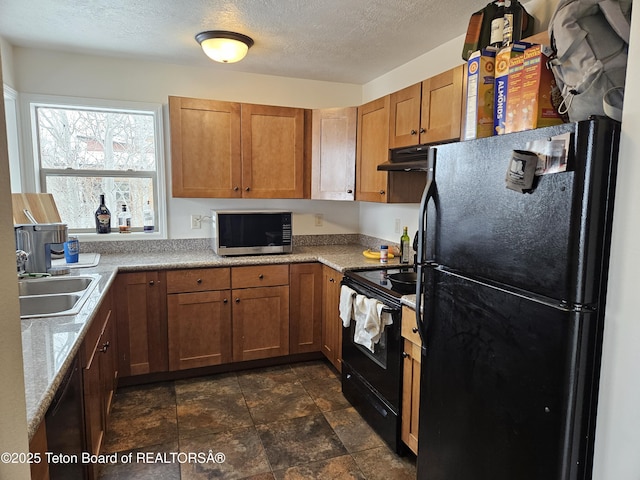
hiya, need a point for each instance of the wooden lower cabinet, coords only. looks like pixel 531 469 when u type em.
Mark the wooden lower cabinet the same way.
pixel 100 376
pixel 410 380
pixel 305 307
pixel 38 446
pixel 142 322
pixel 331 323
pixel 199 329
pixel 260 323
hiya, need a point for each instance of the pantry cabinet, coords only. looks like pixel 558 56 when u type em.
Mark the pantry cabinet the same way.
pixel 141 314
pixel 410 380
pixel 260 311
pixel 333 153
pixel 100 376
pixel 205 148
pixel 428 112
pixel 305 307
pixel 234 150
pixel 199 317
pixel 331 323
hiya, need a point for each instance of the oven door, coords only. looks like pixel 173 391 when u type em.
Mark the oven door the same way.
pixel 382 368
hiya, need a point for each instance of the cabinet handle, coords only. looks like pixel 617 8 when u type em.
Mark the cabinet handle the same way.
pixel 247 189
pixel 261 276
pixel 422 130
pixel 105 347
pixel 235 189
pixel 332 280
pixel 151 283
pixel 199 281
pixel 414 330
pixel 405 355
pixel 413 132
pixel 225 301
pixel 349 191
pixel 381 192
pixel 237 300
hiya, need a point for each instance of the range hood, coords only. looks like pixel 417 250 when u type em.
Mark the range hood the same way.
pixel 409 159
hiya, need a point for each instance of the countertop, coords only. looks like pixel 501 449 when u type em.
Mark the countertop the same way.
pixel 50 344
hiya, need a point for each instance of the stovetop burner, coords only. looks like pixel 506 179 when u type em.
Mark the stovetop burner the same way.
pixel 378 279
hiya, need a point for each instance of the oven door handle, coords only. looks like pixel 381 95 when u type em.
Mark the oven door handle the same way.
pixel 392 311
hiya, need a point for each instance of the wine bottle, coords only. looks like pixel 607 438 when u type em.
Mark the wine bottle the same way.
pixel 404 246
pixel 103 217
pixel 517 23
pixel 497 25
pixel 147 218
pixel 124 220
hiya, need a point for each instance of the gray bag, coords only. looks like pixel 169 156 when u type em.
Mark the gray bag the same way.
pixel 590 41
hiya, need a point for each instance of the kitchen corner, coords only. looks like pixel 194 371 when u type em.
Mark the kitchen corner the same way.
pixel 51 344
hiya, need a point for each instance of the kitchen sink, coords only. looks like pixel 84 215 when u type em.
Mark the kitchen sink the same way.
pixel 54 296
pixel 53 285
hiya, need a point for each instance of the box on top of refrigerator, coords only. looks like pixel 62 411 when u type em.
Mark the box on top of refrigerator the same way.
pixel 530 87
pixel 501 87
pixel 480 84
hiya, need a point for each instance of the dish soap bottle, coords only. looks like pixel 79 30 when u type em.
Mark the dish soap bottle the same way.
pixel 147 218
pixel 404 246
pixel 103 217
pixel 124 220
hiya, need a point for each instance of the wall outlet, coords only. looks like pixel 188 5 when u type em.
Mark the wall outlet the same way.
pixel 196 221
pixel 398 228
pixel 319 218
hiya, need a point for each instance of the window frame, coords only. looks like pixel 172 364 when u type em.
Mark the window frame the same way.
pixel 35 176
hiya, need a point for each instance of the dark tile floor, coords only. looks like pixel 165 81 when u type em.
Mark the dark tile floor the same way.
pixel 285 422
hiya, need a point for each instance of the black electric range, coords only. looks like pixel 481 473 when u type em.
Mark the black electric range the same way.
pixel 378 283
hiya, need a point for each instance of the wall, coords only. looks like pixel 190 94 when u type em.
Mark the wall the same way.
pixel 13 434
pixel 39 72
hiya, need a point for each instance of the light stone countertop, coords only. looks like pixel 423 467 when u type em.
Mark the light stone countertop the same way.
pixel 50 344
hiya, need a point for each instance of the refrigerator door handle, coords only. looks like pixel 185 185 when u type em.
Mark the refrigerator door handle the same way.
pixel 427 195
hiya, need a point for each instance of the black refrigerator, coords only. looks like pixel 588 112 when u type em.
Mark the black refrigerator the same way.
pixel 510 307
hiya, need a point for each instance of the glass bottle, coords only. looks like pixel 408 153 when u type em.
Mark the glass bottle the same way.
pixel 124 220
pixel 404 246
pixel 147 218
pixel 103 217
pixel 497 25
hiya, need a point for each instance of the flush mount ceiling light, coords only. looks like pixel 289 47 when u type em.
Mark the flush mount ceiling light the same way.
pixel 224 47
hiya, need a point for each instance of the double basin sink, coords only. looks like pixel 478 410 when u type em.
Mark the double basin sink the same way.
pixel 54 296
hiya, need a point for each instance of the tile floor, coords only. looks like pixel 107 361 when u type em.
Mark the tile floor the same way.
pixel 285 422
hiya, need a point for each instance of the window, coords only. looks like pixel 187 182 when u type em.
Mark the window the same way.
pixel 86 150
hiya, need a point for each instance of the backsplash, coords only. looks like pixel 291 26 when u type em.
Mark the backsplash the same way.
pixel 195 244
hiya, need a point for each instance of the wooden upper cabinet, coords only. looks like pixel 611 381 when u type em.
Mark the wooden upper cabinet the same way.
pixel 333 154
pixel 441 112
pixel 428 112
pixel 272 152
pixel 205 148
pixel 372 149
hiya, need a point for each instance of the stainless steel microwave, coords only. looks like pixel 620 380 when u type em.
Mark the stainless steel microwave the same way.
pixel 250 232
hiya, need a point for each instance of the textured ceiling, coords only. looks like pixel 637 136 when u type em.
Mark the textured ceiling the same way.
pixel 352 41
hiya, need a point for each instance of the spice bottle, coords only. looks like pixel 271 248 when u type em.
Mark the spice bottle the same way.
pixel 384 254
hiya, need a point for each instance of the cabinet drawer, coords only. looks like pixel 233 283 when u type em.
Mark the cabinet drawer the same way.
pixel 409 328
pixel 197 280
pixel 259 276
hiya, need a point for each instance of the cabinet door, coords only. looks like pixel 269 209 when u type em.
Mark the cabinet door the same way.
pixel 331 323
pixel 305 308
pixel 410 395
pixel 205 148
pixel 199 329
pixel 260 323
pixel 333 156
pixel 372 150
pixel 142 323
pixel 272 152
pixel 442 106
pixel 404 123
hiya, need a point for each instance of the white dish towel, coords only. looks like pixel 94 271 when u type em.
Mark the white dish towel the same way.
pixel 347 296
pixel 370 321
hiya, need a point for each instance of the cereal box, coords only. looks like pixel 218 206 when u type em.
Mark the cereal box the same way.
pixel 480 81
pixel 501 88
